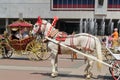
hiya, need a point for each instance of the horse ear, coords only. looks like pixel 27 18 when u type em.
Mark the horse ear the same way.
pixel 39 20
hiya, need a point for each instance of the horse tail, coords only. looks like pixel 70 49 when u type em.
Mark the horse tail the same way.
pixel 99 53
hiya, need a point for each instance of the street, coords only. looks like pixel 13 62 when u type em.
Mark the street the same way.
pixel 20 68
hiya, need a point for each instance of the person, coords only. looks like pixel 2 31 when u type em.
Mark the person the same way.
pixel 19 35
pixel 115 37
pixel 115 34
pixel 25 33
pixel 13 34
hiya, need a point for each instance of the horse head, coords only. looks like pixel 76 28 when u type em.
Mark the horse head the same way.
pixel 44 26
pixel 39 26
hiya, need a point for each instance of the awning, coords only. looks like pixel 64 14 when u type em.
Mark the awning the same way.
pixel 20 24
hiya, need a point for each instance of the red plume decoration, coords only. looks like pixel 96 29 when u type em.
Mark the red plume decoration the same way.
pixel 55 21
pixel 53 25
pixel 39 20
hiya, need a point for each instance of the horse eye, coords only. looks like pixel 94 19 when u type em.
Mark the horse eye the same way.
pixel 35 25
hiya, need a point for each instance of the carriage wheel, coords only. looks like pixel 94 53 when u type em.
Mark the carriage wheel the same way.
pixel 115 70
pixel 37 50
pixel 32 48
pixel 108 57
pixel 43 52
pixel 6 53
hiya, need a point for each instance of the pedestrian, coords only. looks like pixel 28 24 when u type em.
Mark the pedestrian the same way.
pixel 115 37
pixel 14 33
pixel 25 33
pixel 19 35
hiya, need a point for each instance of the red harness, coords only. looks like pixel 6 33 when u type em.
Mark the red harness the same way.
pixel 63 39
pixel 61 36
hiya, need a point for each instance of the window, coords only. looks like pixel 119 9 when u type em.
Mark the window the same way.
pixel 73 4
pixel 113 4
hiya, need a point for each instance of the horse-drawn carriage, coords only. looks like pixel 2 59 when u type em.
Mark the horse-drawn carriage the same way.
pixel 28 46
pixel 87 43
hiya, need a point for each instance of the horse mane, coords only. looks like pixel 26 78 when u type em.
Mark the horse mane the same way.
pixel 44 21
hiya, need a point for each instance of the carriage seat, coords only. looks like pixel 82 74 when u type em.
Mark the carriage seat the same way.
pixel 20 44
pixel 12 37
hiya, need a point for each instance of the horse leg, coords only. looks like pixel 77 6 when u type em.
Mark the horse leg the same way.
pixel 88 69
pixel 54 61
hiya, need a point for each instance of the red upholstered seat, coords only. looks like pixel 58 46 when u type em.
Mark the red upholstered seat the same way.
pixel 20 44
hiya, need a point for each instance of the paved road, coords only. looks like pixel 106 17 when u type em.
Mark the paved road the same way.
pixel 20 68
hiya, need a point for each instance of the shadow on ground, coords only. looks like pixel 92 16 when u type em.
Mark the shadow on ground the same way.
pixel 16 58
pixel 61 75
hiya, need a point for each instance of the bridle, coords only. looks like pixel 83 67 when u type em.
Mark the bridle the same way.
pixel 50 29
pixel 44 27
pixel 40 22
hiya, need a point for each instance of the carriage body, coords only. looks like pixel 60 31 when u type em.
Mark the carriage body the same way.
pixel 15 28
pixel 19 45
pixel 29 46
pixel 11 46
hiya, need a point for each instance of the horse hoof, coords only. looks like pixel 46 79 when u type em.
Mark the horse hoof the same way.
pixel 54 75
pixel 88 76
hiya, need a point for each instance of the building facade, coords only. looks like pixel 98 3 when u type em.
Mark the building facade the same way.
pixel 97 17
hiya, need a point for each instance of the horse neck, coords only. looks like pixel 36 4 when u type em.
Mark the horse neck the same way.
pixel 48 28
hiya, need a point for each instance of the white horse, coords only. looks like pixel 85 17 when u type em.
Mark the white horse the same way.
pixel 87 43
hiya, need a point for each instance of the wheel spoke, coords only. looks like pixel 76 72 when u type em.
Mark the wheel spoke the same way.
pixel 38 50
pixel 115 70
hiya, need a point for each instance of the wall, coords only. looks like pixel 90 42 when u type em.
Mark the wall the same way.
pixel 29 8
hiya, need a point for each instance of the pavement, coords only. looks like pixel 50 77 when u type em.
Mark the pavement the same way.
pixel 20 68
